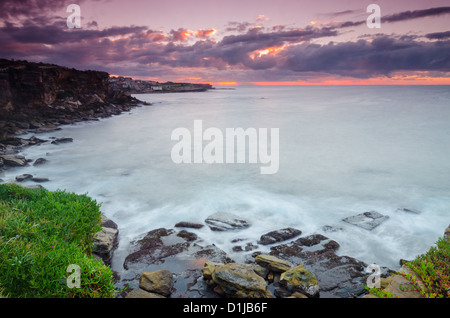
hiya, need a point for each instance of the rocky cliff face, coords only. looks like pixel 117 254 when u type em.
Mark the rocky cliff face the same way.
pixel 37 91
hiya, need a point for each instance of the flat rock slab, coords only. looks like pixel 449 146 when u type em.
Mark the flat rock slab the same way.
pixel 279 236
pixel 366 220
pixel 225 221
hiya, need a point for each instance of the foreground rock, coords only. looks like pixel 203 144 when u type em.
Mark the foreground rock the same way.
pixel 236 280
pixel 159 282
pixel 106 240
pixel 338 276
pixel 180 252
pixel 298 279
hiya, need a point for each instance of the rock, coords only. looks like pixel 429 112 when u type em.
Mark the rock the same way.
pixel 62 140
pixel 106 222
pixel 224 221
pixel 189 225
pixel 168 249
pixel 408 211
pixel 39 161
pixel 239 281
pixel 338 276
pixel 367 220
pixel 272 263
pixel 140 293
pixel 23 177
pixel 105 241
pixel 35 179
pixel 160 282
pixel 34 186
pixel 279 236
pixel 298 279
pixel 14 160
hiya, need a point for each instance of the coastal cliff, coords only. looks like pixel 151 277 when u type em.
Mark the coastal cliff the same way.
pixel 51 94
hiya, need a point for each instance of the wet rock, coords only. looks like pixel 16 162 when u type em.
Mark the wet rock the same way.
pixel 412 211
pixel 298 279
pixel 338 276
pixel 39 180
pixel 181 252
pixel 272 263
pixel 367 220
pixel 23 177
pixel 160 282
pixel 105 241
pixel 58 141
pixel 237 280
pixel 189 225
pixel 39 161
pixel 279 236
pixel 14 160
pixel 224 221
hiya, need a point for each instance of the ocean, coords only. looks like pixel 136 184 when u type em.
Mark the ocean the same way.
pixel 341 151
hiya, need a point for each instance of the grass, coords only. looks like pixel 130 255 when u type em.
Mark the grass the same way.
pixel 41 234
pixel 433 268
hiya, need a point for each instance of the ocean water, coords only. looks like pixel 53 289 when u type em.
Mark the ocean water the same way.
pixel 343 150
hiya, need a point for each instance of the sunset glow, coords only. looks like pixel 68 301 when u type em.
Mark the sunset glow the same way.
pixel 324 43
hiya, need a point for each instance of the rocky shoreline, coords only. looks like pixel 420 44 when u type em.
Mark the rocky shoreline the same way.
pixel 38 98
pixel 176 263
pixel 296 267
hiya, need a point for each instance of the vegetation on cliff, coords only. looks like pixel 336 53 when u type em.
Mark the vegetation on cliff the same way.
pixel 41 234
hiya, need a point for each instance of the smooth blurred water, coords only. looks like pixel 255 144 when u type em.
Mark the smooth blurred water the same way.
pixel 344 150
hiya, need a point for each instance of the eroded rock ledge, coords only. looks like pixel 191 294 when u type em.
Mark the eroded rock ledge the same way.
pixel 296 266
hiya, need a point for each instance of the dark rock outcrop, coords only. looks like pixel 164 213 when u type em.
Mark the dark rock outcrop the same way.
pixel 42 96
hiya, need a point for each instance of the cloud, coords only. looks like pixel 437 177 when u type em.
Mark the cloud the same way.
pixel 409 15
pixel 364 59
pixel 438 35
pixel 402 16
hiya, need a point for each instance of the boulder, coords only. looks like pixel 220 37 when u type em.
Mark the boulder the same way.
pixel 279 236
pixel 62 140
pixel 36 179
pixel 298 279
pixel 160 282
pixel 367 220
pixel 238 281
pixel 39 161
pixel 14 160
pixel 224 221
pixel 23 177
pixel 272 263
pixel 105 241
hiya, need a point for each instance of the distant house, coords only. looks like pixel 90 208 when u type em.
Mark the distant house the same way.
pixel 157 88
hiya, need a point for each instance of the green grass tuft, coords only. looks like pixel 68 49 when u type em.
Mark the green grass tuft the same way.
pixel 41 234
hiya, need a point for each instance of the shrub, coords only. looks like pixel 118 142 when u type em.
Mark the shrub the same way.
pixel 41 234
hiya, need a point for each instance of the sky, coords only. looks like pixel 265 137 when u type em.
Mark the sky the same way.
pixel 237 42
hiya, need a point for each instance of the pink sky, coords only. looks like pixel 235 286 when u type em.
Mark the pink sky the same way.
pixel 240 42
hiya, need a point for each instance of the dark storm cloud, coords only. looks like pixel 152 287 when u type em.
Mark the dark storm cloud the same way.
pixel 408 15
pixel 402 16
pixel 438 35
pixel 364 59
